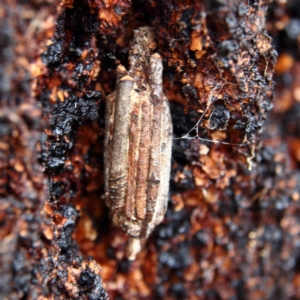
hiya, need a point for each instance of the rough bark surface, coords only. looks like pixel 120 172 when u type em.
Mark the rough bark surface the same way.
pixel 232 228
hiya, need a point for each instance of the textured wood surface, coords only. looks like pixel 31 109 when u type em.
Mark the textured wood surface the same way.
pixel 231 230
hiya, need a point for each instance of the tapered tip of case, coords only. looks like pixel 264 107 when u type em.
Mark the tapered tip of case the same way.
pixel 121 68
pixel 134 246
pixel 156 56
pixel 126 78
